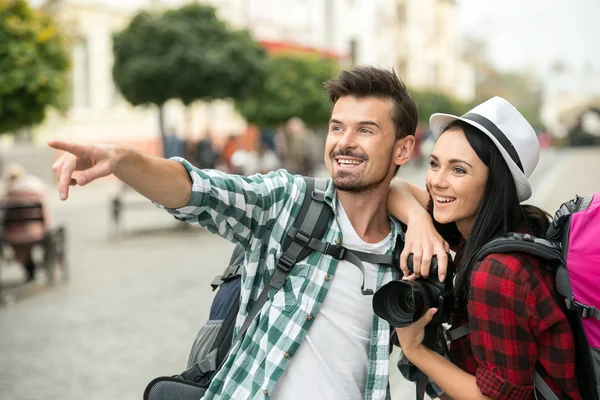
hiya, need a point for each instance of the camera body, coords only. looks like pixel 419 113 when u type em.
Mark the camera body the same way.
pixel 402 302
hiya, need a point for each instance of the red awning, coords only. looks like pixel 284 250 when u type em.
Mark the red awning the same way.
pixel 274 47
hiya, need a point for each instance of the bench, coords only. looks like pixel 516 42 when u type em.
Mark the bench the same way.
pixel 128 199
pixel 53 243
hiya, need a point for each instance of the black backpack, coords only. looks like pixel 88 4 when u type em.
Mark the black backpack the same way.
pixel 215 338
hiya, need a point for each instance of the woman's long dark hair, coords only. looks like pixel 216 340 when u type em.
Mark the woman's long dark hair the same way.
pixel 499 211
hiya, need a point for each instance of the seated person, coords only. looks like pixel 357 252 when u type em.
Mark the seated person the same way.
pixel 21 188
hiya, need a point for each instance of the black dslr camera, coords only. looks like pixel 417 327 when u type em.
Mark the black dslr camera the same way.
pixel 403 302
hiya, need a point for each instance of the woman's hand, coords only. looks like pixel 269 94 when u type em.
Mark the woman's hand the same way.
pixel 423 241
pixel 411 337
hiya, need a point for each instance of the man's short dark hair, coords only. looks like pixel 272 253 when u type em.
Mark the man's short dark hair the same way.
pixel 368 81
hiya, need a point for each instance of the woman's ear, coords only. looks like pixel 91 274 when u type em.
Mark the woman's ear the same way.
pixel 403 150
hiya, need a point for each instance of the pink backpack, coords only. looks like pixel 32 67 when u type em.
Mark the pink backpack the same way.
pixel 572 248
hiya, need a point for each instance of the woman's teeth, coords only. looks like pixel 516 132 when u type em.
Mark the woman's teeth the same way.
pixel 444 199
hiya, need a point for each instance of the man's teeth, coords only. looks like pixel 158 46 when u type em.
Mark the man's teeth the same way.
pixel 347 163
pixel 444 199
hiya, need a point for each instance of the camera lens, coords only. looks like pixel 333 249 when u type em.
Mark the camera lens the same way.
pixel 407 303
pixel 400 302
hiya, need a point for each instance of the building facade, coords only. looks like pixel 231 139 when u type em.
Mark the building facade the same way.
pixel 428 48
pixel 416 37
pixel 567 95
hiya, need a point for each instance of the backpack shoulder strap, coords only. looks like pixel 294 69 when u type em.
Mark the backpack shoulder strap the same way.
pixel 522 243
pixel 312 221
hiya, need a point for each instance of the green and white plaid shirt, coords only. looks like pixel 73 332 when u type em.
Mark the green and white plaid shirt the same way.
pixel 257 211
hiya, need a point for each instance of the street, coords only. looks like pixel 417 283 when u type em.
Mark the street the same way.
pixel 134 303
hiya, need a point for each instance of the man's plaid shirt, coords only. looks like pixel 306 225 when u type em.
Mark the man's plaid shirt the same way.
pixel 258 211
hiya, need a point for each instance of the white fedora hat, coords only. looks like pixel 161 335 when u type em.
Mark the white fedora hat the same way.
pixel 510 132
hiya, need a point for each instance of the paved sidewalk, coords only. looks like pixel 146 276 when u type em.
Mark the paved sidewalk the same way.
pixel 135 303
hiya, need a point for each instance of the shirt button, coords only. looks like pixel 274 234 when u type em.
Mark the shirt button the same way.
pixel 338 241
pixel 327 277
pixel 308 317
pixel 286 355
pixel 266 392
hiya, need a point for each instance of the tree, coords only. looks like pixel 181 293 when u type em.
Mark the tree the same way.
pixel 429 102
pixel 187 54
pixel 34 66
pixel 293 88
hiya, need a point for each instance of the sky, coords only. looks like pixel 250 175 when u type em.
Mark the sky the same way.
pixel 533 34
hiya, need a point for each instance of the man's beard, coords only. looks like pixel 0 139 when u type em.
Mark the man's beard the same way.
pixel 356 186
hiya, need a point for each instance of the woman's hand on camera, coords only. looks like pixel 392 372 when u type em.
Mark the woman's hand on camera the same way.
pixel 411 337
pixel 423 241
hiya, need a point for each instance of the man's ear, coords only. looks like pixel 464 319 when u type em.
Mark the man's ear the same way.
pixel 403 150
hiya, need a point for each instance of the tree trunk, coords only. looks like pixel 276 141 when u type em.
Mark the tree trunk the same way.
pixel 208 109
pixel 188 134
pixel 161 125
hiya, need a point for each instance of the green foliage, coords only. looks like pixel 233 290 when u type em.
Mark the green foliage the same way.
pixel 429 102
pixel 34 66
pixel 187 54
pixel 293 88
pixel 522 90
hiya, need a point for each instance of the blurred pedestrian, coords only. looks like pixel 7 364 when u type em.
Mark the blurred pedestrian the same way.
pixel 173 145
pixel 21 188
pixel 297 148
pixel 206 155
pixel 260 160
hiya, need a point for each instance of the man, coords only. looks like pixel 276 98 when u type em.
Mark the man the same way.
pixel 317 337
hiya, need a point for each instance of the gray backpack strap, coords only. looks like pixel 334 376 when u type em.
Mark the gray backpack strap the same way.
pixel 522 243
pixel 540 385
pixel 457 332
pixel 312 221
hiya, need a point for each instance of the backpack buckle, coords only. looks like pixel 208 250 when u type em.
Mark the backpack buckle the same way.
pixel 301 238
pixel 583 310
pixel 286 262
pixel 337 252
pixel 528 238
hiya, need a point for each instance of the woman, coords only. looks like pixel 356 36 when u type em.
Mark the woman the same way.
pixel 478 176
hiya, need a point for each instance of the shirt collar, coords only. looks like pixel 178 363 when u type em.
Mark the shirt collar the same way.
pixel 331 200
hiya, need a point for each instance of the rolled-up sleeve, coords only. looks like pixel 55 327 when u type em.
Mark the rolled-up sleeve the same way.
pixel 497 387
pixel 239 208
pixel 500 315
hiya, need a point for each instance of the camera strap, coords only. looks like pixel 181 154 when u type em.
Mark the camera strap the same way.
pixel 429 341
pixel 353 256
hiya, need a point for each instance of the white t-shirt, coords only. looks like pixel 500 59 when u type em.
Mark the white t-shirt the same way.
pixel 333 360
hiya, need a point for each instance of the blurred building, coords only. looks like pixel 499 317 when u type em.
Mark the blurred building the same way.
pixel 568 95
pixel 428 48
pixel 97 111
pixel 417 37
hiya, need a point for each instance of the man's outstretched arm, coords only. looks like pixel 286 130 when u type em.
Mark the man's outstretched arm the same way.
pixel 165 182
